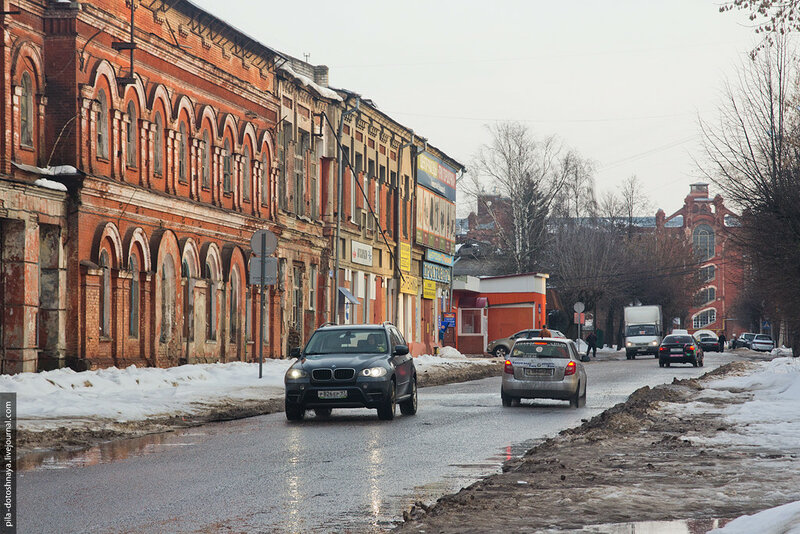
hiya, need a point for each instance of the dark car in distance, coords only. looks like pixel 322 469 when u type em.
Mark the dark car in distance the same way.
pixel 708 343
pixel 352 366
pixel 680 349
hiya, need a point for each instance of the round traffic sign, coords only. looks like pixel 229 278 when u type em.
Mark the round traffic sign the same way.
pixel 263 243
pixel 578 307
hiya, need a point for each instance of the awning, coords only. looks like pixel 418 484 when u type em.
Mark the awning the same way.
pixel 349 296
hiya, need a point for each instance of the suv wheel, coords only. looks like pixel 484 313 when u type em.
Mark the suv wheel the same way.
pixel 295 412
pixel 386 411
pixel 409 406
pixel 500 352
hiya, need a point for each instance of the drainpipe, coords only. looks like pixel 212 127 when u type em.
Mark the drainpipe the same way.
pixel 335 295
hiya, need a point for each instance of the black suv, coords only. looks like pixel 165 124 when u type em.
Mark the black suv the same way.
pixel 352 366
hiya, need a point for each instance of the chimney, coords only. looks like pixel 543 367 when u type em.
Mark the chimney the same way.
pixel 321 75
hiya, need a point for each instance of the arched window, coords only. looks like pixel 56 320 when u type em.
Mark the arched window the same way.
pixel 707 273
pixel 211 301
pixel 246 173
pixel 133 131
pixel 167 298
pixel 158 150
pixel 183 153
pixel 703 240
pixel 206 160
pixel 105 294
pixel 234 310
pixel 264 178
pixel 188 301
pixel 704 318
pixel 226 167
pixel 26 111
pixel 102 125
pixel 704 296
pixel 133 325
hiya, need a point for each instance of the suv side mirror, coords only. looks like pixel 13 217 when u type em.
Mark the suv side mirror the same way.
pixel 400 350
pixel 295 352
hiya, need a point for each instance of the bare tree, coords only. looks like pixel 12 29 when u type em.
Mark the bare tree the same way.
pixel 525 172
pixel 577 198
pixel 753 155
pixel 771 18
pixel 633 199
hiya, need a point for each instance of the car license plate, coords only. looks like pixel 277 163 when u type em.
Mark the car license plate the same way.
pixel 332 394
pixel 677 351
pixel 538 371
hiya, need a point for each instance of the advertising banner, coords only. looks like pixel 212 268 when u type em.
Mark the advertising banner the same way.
pixel 435 175
pixel 436 221
pixel 437 257
pixel 405 257
pixel 409 284
pixel 431 271
pixel 428 289
pixel 361 253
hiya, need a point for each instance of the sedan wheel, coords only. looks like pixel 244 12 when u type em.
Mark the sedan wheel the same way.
pixel 409 406
pixel 694 362
pixel 660 363
pixel 507 401
pixel 295 412
pixel 575 400
pixel 386 412
pixel 701 362
pixel 582 399
pixel 500 352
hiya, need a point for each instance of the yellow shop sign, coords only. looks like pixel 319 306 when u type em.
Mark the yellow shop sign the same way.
pixel 428 289
pixel 409 284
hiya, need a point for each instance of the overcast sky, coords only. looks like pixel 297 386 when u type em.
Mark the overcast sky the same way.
pixel 621 82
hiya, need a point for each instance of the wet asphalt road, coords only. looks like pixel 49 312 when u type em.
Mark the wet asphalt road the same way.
pixel 348 473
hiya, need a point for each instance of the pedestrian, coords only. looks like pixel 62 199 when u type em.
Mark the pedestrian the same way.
pixel 545 332
pixel 721 340
pixel 591 345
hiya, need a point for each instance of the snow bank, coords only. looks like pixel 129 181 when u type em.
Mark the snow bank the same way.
pixel 781 520
pixel 450 352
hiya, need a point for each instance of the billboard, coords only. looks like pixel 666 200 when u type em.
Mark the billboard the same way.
pixel 435 175
pixel 436 221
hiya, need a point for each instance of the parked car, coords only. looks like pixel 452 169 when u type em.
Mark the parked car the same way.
pixel 352 366
pixel 544 368
pixel 762 342
pixel 743 340
pixel 679 349
pixel 709 342
pixel 501 347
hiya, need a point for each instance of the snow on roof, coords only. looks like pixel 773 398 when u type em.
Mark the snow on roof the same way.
pixel 50 184
pixel 308 82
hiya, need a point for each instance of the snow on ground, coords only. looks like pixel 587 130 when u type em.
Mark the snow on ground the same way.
pixel 780 520
pixel 50 399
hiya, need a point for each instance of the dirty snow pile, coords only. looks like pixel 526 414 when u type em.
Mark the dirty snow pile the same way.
pixel 54 398
pixel 769 419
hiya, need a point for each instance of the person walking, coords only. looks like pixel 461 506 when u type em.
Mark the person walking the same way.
pixel 591 345
pixel 721 340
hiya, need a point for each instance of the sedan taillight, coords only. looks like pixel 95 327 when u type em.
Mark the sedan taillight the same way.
pixel 571 368
pixel 508 368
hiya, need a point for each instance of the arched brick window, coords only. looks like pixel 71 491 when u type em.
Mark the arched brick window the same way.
pixel 264 178
pixel 26 111
pixel 105 294
pixel 211 300
pixel 183 153
pixel 226 167
pixel 234 310
pixel 102 125
pixel 167 297
pixel 133 324
pixel 158 149
pixel 246 163
pixel 133 132
pixel 703 240
pixel 206 148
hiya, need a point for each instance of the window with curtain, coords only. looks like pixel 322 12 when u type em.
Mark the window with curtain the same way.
pixel 102 125
pixel 132 132
pixel 26 111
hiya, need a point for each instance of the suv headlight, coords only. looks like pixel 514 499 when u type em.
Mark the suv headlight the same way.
pixel 628 344
pixel 294 373
pixel 654 343
pixel 374 372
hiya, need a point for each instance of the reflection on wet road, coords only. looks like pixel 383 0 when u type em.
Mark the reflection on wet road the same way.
pixel 347 472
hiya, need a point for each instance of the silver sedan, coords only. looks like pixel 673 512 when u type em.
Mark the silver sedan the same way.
pixel 544 368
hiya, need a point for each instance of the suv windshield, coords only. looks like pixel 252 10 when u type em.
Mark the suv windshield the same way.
pixel 677 339
pixel 641 330
pixel 540 349
pixel 348 341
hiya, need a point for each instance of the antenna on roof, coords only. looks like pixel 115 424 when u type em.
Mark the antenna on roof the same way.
pixel 306 55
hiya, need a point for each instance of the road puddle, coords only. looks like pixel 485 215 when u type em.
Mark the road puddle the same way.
pixel 680 526
pixel 108 452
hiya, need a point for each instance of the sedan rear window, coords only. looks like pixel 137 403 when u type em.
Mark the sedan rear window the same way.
pixel 678 339
pixel 763 338
pixel 534 349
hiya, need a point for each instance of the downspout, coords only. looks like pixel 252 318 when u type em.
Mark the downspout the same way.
pixel 335 289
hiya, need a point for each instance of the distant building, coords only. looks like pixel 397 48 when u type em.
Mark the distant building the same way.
pixel 708 223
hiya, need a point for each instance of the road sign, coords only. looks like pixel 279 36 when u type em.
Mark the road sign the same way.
pixel 578 307
pixel 263 243
pixel 579 318
pixel 270 270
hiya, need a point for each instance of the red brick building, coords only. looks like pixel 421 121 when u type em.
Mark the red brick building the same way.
pixel 708 224
pixel 143 146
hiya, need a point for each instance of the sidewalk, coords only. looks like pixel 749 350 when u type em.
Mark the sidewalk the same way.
pixel 63 409
pixel 689 456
